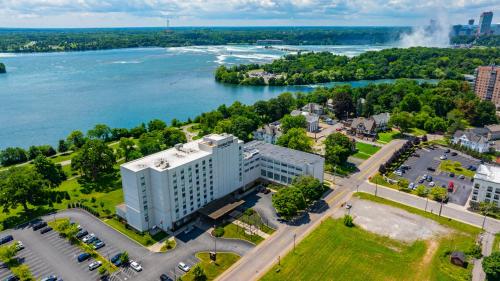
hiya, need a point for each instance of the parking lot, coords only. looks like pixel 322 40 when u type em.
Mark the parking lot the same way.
pixel 430 158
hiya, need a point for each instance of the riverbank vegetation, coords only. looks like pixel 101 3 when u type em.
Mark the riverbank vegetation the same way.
pixel 58 40
pixel 322 67
pixel 2 68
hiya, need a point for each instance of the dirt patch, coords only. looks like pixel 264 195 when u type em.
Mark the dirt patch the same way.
pixel 393 222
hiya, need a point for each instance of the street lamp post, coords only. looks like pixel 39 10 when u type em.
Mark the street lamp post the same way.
pixel 441 207
pixel 426 202
pixel 294 235
pixel 215 243
pixel 376 189
pixel 484 221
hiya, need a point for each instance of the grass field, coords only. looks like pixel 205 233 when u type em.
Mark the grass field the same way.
pixel 386 137
pixel 233 231
pixel 336 252
pixel 212 270
pixel 365 150
pixel 417 132
pixel 455 167
pixel 256 219
pixel 144 239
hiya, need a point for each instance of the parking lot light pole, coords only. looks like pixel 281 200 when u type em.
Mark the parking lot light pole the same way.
pixel 294 236
pixel 376 189
pixel 426 202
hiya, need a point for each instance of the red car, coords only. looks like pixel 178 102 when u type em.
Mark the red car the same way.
pixel 451 186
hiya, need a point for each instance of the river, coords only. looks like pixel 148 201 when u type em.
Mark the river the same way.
pixel 43 97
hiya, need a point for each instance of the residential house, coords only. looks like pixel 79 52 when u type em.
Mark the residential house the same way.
pixel 313 108
pixel 312 120
pixel 493 132
pixel 475 139
pixel 269 133
pixel 370 126
pixel 381 121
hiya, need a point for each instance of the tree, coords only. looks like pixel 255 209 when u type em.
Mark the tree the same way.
pixel 491 266
pixel 311 188
pixel 438 193
pixel 124 258
pixel 62 146
pixel 95 161
pixel 199 274
pixel 410 103
pixel 343 103
pixel 100 131
pixel 76 139
pixel 288 122
pixel 13 155
pixel 403 184
pixel 150 142
pixel 156 125
pixel 118 133
pixel 288 201
pixel 51 172
pixel 127 147
pixel 421 191
pixel 402 120
pixel 22 186
pixel 173 136
pixel 138 131
pixel 485 114
pixel 7 253
pixel 296 139
pixel 338 148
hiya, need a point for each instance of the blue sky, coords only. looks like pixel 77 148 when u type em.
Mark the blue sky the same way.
pixel 112 13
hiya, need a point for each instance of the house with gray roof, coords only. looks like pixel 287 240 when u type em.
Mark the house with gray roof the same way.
pixel 493 131
pixel 475 139
pixel 269 133
pixel 370 126
pixel 312 120
pixel 313 108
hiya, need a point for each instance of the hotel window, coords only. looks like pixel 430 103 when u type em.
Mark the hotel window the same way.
pixel 488 195
pixel 496 197
pixel 490 188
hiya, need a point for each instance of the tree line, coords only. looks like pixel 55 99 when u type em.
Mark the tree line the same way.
pixel 2 68
pixel 322 67
pixel 25 40
pixel 485 40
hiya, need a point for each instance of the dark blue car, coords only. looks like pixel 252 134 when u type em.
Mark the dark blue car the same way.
pixel 116 259
pixel 6 239
pixel 83 257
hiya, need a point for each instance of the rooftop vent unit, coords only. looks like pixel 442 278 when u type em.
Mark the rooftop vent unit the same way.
pixel 161 163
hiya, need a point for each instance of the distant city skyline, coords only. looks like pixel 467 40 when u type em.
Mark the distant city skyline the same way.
pixel 151 13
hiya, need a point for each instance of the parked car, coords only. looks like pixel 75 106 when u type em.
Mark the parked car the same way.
pixel 429 178
pixel 88 237
pixel 135 265
pixel 420 181
pixel 98 244
pixel 184 267
pixel 164 277
pixel 411 185
pixel 348 206
pixel 81 233
pixel 6 239
pixel 51 278
pixel 39 225
pixel 19 245
pixel 447 150
pixel 471 168
pixel 431 169
pixel 415 154
pixel 83 257
pixel 431 184
pixel 398 173
pixel 11 278
pixel 45 230
pixel 452 175
pixel 116 259
pixel 451 186
pixel 443 157
pixel 454 153
pixel 94 265
pixel 461 177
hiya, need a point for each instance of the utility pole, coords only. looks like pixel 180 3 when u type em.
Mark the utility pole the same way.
pixel 357 187
pixel 376 189
pixel 294 235
pixel 426 202
pixel 441 207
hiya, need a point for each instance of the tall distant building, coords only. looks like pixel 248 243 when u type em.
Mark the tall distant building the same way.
pixel 485 23
pixel 471 22
pixel 487 85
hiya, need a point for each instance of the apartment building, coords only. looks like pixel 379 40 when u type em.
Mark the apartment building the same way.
pixel 487 84
pixel 167 188
pixel 486 185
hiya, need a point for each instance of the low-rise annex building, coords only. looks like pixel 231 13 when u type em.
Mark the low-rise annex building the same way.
pixel 486 185
pixel 167 188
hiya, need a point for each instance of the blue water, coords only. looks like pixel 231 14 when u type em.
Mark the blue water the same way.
pixel 43 97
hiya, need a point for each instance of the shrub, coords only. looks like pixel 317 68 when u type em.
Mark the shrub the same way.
pixel 218 231
pixel 348 221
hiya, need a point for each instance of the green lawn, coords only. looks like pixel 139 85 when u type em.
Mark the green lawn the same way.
pixel 496 243
pixel 212 270
pixel 144 239
pixel 417 132
pixel 386 137
pixel 365 150
pixel 233 231
pixel 455 167
pixel 336 252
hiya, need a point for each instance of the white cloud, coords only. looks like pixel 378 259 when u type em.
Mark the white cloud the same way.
pixel 236 12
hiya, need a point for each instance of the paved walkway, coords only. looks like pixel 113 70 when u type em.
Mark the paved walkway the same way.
pixel 251 229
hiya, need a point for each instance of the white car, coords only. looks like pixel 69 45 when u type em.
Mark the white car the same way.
pixel 431 184
pixel 184 267
pixel 398 173
pixel 94 265
pixel 88 237
pixel 443 157
pixel 19 245
pixel 135 265
pixel 411 185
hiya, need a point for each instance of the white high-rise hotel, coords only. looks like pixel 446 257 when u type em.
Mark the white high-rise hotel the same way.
pixel 165 188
